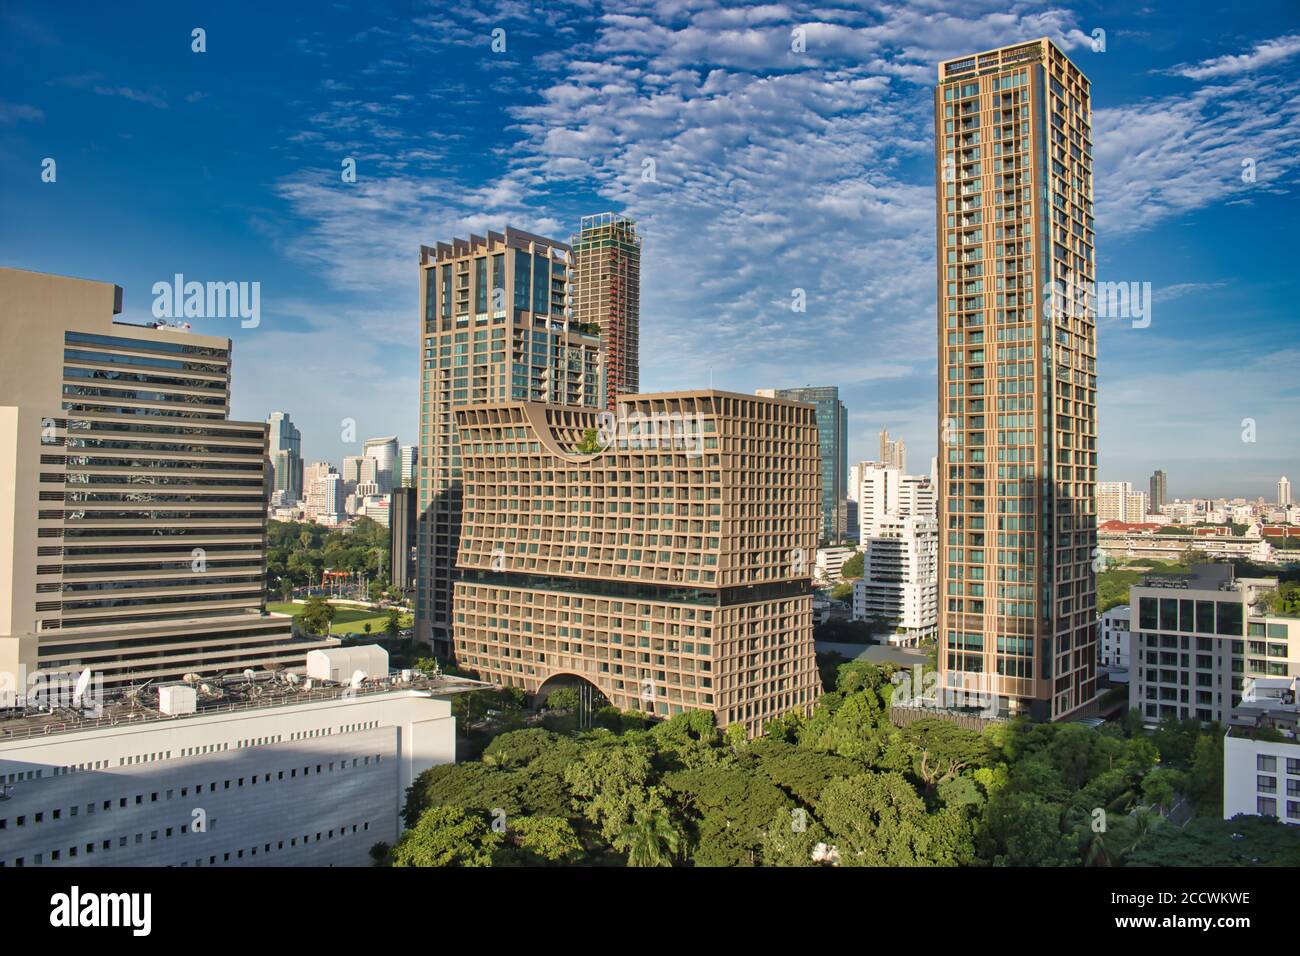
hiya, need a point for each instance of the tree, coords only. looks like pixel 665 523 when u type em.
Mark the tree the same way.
pixel 590 443
pixel 545 839
pixel 651 838
pixel 447 836
pixel 854 567
pixel 286 589
pixel 317 616
pixel 842 592
pixel 393 625
pixel 563 698
pixel 609 783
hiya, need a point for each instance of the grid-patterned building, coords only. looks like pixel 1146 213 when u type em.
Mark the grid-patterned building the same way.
pixel 672 570
pixel 132 509
pixel 494 329
pixel 1017 378
pixel 606 298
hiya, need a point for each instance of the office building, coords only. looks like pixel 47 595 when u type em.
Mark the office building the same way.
pixel 408 460
pixel 899 587
pixel 1158 491
pixel 893 452
pixel 1198 636
pixel 359 470
pixel 606 299
pixel 1284 491
pixel 285 446
pixel 1017 379
pixel 402 541
pixel 288 777
pixel 833 436
pixel 671 571
pixel 1261 752
pixel 494 328
pixel 132 508
pixel 383 451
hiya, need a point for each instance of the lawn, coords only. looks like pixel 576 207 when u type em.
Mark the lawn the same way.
pixel 347 620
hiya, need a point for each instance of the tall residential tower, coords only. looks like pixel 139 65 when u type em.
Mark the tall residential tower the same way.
pixel 1017 378
pixel 494 328
pixel 606 298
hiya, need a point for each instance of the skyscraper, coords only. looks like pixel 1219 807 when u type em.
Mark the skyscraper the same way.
pixel 494 328
pixel 893 452
pixel 285 446
pixel 384 453
pixel 1017 379
pixel 607 298
pixel 689 587
pixel 1158 494
pixel 132 508
pixel 1283 491
pixel 833 434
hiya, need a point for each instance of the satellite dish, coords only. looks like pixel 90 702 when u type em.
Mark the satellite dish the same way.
pixel 291 678
pixel 248 674
pixel 79 691
pixel 358 678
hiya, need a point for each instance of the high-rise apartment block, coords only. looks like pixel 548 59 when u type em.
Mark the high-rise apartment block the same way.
pixel 1159 493
pixel 285 445
pixel 1284 491
pixel 885 492
pixel 1017 378
pixel 833 436
pixel 606 298
pixel 408 461
pixel 671 570
pixel 893 451
pixel 899 583
pixel 1117 501
pixel 132 508
pixel 494 328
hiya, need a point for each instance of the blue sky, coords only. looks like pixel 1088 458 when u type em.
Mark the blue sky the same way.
pixel 775 170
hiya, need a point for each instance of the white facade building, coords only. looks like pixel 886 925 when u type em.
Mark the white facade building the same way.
pixel 1261 777
pixel 900 578
pixel 384 452
pixel 1117 501
pixel 829 564
pixel 1283 491
pixel 1113 642
pixel 887 491
pixel 315 778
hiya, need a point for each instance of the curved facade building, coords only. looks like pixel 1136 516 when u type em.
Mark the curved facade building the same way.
pixel 670 568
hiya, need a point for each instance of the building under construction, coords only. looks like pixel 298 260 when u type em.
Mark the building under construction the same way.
pixel 607 298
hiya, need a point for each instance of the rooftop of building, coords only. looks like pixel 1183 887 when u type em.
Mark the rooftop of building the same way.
pixel 235 693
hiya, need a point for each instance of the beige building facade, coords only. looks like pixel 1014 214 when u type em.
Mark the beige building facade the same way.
pixel 1017 378
pixel 132 509
pixel 671 569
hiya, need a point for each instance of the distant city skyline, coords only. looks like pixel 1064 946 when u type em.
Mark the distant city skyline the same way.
pixel 796 148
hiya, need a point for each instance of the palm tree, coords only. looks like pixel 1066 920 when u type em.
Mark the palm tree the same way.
pixel 651 839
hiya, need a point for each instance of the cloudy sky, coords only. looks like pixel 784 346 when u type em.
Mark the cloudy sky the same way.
pixel 774 170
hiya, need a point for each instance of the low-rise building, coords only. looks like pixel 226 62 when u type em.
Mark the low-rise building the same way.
pixel 1261 752
pixel 1197 637
pixel 261 773
pixel 829 565
pixel 1113 642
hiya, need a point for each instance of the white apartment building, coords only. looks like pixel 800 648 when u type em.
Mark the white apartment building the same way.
pixel 1261 771
pixel 326 499
pixel 886 491
pixel 900 584
pixel 829 564
pixel 1113 642
pixel 1117 501
pixel 1197 637
pixel 292 777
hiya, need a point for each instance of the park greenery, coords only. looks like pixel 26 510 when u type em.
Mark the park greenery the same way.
pixel 297 552
pixel 843 786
